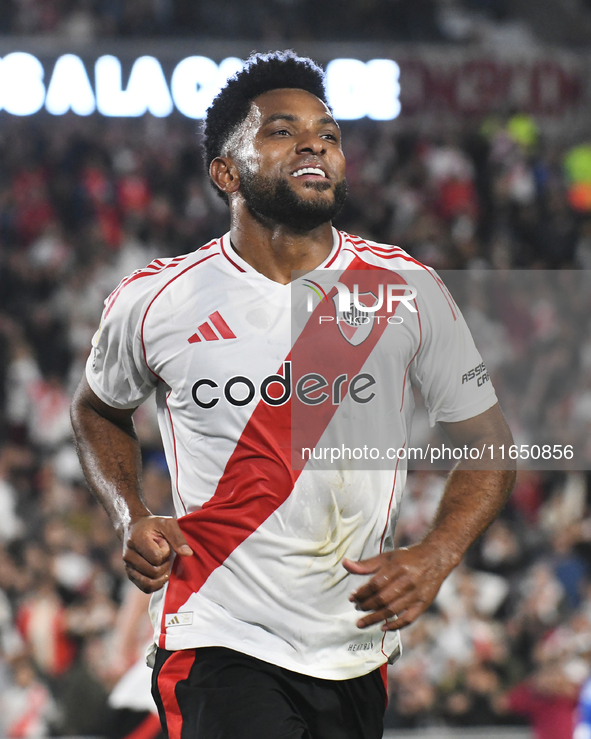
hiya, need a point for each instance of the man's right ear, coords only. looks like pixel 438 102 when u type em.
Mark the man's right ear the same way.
pixel 224 174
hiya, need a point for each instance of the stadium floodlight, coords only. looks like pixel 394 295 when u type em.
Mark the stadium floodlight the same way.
pixel 146 91
pixel 22 91
pixel 69 88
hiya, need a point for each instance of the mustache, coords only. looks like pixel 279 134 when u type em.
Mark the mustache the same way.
pixel 319 186
pixel 274 200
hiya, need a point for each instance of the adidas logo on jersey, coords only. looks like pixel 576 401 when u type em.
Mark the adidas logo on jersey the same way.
pixel 178 619
pixel 213 329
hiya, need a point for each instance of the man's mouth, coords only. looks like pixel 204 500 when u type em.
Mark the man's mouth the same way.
pixel 312 172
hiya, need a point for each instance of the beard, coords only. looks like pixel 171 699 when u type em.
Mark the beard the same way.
pixel 274 201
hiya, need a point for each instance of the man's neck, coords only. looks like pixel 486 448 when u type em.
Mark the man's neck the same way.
pixel 275 251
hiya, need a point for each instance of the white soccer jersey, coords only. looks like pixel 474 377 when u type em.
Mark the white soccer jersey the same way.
pixel 214 338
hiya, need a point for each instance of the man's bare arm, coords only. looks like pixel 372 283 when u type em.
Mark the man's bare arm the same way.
pixel 109 452
pixel 405 581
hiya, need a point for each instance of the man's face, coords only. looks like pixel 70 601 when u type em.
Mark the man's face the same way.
pixel 289 158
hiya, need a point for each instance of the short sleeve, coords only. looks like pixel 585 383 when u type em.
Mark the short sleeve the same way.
pixel 448 368
pixel 116 369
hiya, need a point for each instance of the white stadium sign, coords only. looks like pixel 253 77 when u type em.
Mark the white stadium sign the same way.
pixel 355 88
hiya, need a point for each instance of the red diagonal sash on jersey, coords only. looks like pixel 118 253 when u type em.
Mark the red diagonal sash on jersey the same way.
pixel 258 477
pixel 323 349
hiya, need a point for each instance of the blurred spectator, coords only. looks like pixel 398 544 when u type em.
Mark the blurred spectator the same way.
pixel 27 709
pixel 583 727
pixel 11 526
pixel 577 165
pixel 42 623
pixel 548 699
pixel 83 20
pixel 132 708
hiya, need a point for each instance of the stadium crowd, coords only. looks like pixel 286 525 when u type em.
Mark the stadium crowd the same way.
pixel 392 20
pixel 82 205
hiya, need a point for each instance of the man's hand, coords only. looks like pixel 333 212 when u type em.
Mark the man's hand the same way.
pixel 148 548
pixel 404 584
pixel 406 581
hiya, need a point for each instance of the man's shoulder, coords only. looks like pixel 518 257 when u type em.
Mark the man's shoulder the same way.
pixel 147 282
pixel 374 253
pixel 431 292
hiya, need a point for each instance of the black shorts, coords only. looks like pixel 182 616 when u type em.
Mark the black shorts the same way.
pixel 217 693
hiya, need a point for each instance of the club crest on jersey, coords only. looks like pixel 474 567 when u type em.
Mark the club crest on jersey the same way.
pixel 354 324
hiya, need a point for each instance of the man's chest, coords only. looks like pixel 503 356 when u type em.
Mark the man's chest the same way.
pixel 223 351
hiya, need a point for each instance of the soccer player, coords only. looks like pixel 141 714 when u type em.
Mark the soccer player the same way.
pixel 278 596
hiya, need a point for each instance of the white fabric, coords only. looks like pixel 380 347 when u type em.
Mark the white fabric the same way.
pixel 282 594
pixel 133 691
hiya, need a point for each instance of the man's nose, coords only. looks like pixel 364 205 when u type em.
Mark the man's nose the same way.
pixel 311 142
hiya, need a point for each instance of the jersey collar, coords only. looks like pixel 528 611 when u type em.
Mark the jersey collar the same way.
pixel 240 265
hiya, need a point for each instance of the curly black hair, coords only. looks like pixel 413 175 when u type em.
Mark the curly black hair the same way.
pixel 261 73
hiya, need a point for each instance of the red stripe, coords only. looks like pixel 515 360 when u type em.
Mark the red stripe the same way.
pixel 327 353
pixel 384 674
pixel 259 475
pixel 180 274
pixel 375 247
pixel 356 249
pixel 406 258
pixel 176 461
pixel 414 355
pixel 447 293
pixel 401 254
pixel 207 332
pixel 151 269
pixel 154 268
pixel 338 251
pixel 148 729
pixel 225 331
pixel 193 339
pixel 390 502
pixel 176 668
pixel 228 258
pixel 362 243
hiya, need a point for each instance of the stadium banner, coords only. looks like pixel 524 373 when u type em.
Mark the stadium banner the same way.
pixel 380 82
